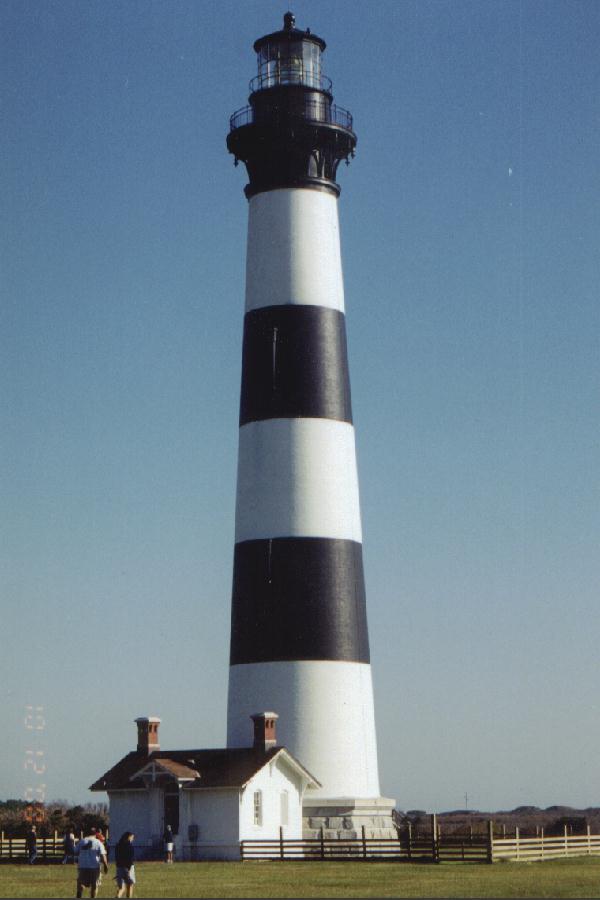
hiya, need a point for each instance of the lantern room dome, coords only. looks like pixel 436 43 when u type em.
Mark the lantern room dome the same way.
pixel 289 56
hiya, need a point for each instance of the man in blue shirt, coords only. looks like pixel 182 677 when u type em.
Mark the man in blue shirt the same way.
pixel 90 854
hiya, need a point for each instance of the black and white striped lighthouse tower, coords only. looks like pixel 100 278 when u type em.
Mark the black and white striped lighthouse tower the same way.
pixel 299 642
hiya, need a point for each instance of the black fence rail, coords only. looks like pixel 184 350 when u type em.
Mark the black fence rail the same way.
pixel 450 849
pixel 323 848
pixel 404 848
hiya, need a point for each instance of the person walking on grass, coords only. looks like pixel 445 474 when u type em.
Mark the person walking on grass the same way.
pixel 97 833
pixel 91 855
pixel 124 856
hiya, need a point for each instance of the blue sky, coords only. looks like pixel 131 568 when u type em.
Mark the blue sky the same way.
pixel 470 220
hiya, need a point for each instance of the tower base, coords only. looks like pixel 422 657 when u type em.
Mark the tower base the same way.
pixel 345 817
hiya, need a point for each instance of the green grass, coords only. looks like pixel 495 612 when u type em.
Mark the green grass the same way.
pixel 558 878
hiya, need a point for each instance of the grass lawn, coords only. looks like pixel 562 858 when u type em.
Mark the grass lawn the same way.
pixel 558 878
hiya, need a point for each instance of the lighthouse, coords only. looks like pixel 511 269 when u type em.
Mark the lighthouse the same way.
pixel 299 638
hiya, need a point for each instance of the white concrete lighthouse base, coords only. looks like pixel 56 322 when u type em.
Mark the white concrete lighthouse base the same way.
pixel 345 817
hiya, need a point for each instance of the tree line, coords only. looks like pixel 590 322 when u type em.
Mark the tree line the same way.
pixel 17 817
pixel 530 820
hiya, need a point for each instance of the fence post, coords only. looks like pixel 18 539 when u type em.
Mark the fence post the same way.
pixel 10 848
pixel 364 841
pixel 490 849
pixel 281 850
pixel 241 849
pixel 434 838
pixel 589 839
pixel 409 835
pixel 322 844
pixel 542 837
pixel 517 839
pixel 566 841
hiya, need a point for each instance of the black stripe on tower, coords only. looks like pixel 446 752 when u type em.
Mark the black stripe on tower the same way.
pixel 298 599
pixel 295 364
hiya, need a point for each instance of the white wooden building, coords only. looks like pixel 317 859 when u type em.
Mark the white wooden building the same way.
pixel 213 799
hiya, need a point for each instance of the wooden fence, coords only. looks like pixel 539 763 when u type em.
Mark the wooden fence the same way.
pixel 545 846
pixel 48 848
pixel 433 847
pixel 404 847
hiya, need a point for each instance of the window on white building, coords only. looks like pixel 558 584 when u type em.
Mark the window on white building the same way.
pixel 283 802
pixel 258 807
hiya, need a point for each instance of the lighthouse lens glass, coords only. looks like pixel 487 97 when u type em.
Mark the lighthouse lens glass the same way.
pixel 289 62
pixel 311 58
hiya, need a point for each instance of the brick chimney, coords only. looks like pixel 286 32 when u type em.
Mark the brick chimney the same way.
pixel 264 730
pixel 147 734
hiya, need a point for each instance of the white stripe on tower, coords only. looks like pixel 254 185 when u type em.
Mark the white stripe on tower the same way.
pixel 328 719
pixel 297 478
pixel 299 641
pixel 293 253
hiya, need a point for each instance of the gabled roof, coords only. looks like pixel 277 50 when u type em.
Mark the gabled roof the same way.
pixel 210 768
pixel 170 767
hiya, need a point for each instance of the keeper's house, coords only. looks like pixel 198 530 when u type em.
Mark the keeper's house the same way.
pixel 212 799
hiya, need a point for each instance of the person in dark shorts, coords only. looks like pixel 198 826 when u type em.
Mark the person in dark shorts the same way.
pixel 90 854
pixel 124 856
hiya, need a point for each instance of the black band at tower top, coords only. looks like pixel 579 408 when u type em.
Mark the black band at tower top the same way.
pixel 291 136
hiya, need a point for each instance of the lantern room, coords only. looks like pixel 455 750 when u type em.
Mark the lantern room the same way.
pixel 289 56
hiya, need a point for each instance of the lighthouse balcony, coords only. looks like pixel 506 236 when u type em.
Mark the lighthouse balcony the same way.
pixel 311 110
pixel 294 72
